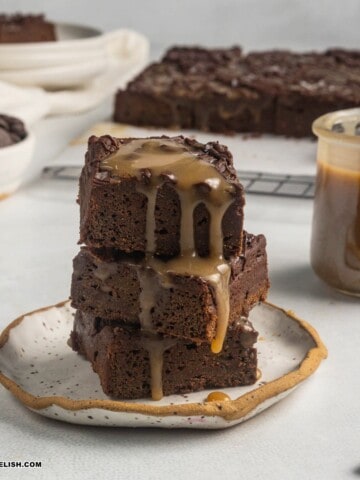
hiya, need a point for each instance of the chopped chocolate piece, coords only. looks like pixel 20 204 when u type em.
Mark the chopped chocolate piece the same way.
pixel 278 92
pixel 12 130
pixel 21 28
pixel 126 359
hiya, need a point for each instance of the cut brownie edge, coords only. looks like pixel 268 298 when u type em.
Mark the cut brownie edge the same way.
pixel 121 360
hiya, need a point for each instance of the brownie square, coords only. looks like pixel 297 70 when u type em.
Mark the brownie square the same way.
pixel 121 356
pixel 184 305
pixel 113 209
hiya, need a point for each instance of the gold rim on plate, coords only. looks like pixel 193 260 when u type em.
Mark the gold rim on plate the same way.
pixel 228 410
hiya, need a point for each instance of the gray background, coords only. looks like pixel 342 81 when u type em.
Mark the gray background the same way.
pixel 251 23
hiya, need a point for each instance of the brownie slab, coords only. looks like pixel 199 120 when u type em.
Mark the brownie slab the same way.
pixel 115 206
pixel 110 288
pixel 20 28
pixel 131 365
pixel 224 90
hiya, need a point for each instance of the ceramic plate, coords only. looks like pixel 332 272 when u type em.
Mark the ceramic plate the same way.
pixel 41 370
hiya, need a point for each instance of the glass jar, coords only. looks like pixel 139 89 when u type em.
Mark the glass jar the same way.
pixel 335 242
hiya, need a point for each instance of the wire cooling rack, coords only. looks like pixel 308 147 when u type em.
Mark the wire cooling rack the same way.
pixel 298 186
pixel 259 183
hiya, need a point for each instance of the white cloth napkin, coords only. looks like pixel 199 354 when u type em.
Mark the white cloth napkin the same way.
pixel 128 53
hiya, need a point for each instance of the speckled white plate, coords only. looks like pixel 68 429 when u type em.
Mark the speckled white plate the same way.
pixel 41 370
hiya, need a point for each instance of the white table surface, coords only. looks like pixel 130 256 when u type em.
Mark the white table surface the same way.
pixel 312 434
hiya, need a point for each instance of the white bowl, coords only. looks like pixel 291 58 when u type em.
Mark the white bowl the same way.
pixel 73 42
pixel 14 160
pixel 79 55
pixel 59 76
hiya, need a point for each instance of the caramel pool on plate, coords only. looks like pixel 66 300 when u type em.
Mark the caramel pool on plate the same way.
pixel 335 244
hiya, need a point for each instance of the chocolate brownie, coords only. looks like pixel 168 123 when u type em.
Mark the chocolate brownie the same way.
pixel 136 196
pixel 132 365
pixel 277 92
pixel 182 305
pixel 12 130
pixel 21 28
pixel 167 277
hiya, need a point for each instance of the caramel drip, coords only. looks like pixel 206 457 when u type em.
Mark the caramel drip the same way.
pixel 153 344
pixel 213 270
pixel 217 397
pixel 156 348
pixel 161 157
pixel 152 161
pixel 220 283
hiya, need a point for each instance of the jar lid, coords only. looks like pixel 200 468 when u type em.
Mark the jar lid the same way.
pixel 339 126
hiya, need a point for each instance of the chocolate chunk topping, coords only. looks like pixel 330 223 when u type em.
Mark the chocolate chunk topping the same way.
pixel 12 130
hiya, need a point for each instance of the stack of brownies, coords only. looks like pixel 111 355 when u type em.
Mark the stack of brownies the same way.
pixel 167 277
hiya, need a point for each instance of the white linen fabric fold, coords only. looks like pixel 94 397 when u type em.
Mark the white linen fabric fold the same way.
pixel 127 53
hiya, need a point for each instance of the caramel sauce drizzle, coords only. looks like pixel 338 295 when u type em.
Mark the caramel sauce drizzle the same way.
pixel 216 272
pixel 151 161
pixel 156 348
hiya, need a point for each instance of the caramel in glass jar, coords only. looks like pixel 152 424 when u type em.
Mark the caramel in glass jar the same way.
pixel 335 244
